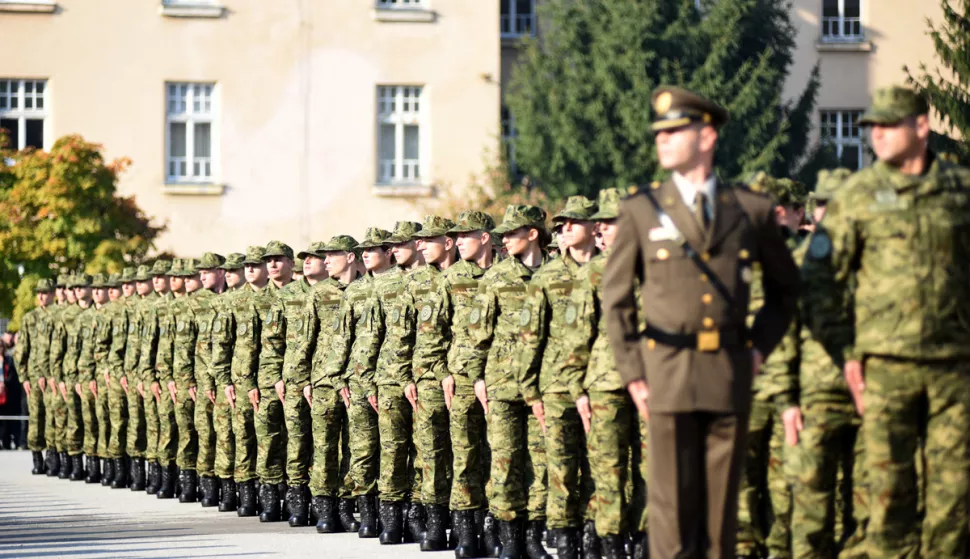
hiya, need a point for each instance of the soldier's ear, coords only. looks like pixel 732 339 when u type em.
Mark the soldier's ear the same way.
pixel 351 257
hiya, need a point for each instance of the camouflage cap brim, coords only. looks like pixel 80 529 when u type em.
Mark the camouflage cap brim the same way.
pixel 604 214
pixel 883 117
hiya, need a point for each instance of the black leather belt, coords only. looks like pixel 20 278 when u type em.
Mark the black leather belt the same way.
pixel 705 340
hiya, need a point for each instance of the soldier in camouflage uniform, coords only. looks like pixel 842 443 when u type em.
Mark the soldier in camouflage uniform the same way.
pixel 202 308
pixel 75 325
pixel 117 395
pixel 92 355
pixel 518 467
pixel 53 401
pixel 31 354
pixel 104 334
pixel 179 383
pixel 63 313
pixel 155 366
pixel 223 408
pixel 137 436
pixel 356 349
pixel 467 418
pixel 895 239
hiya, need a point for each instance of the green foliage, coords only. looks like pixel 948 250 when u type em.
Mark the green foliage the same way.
pixel 948 90
pixel 60 212
pixel 581 95
pixel 24 300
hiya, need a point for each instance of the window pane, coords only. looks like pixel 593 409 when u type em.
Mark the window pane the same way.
pixel 504 6
pixel 29 87
pixel 830 8
pixel 4 86
pixel 176 146
pixel 34 132
pixel 28 102
pixel 411 142
pixel 203 134
pixel 12 126
pixel 40 87
pixel 39 101
pixel 852 157
pixel 852 8
pixel 387 151
pixel 523 7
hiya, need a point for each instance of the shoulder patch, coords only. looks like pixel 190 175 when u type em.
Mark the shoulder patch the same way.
pixel 820 245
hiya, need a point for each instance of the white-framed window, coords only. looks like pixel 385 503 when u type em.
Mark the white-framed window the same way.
pixel 842 20
pixel 190 121
pixel 402 4
pixel 509 135
pixel 401 142
pixel 517 18
pixel 840 128
pixel 24 107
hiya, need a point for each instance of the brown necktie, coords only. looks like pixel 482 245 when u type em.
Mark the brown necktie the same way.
pixel 700 210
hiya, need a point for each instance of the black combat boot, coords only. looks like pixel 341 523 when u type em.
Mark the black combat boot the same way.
pixel 435 535
pixel 296 499
pixel 612 547
pixel 488 527
pixel 107 472
pixel 453 531
pixel 166 486
pixel 210 491
pixel 77 468
pixel 591 542
pixel 281 490
pixel 567 543
pixel 464 526
pixel 121 467
pixel 416 524
pixel 512 539
pixel 367 504
pixel 345 510
pixel 641 546
pixel 327 521
pixel 53 463
pixel 138 476
pixel 229 501
pixel 39 467
pixel 94 470
pixel 153 477
pixel 533 540
pixel 551 537
pixel 269 498
pixel 391 518
pixel 190 486
pixel 247 498
pixel 66 466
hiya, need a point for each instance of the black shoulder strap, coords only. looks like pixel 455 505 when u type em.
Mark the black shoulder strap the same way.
pixel 696 258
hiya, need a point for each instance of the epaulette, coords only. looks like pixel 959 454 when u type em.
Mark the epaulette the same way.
pixel 635 189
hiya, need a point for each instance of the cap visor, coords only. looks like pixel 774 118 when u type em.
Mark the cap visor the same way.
pixel 881 117
pixel 659 125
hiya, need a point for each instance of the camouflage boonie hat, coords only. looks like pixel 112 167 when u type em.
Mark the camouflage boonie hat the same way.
pixel 254 255
pixel 278 248
pixel 176 269
pixel 890 105
pixel 233 262
pixel 315 249
pixel 554 243
pixel 434 226
pixel 209 261
pixel 517 216
pixel 828 182
pixel 298 265
pixel 469 221
pixel 128 274
pixel 80 280
pixel 62 280
pixel 609 205
pixel 161 268
pixel 114 281
pixel 782 190
pixel 99 281
pixel 796 191
pixel 144 273
pixel 341 243
pixel 190 267
pixel 374 237
pixel 404 231
pixel 579 208
pixel 44 286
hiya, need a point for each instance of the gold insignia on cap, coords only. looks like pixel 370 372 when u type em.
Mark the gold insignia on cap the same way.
pixel 663 102
pixel 744 254
pixel 663 254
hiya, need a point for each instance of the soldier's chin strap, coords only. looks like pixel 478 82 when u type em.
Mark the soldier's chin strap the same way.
pixel 694 256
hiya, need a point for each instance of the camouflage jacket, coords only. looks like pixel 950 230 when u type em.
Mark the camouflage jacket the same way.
pixel 184 332
pixel 58 341
pixel 118 316
pixel 101 333
pixel 202 306
pixel 549 319
pixel 901 243
pixel 32 351
pixel 281 333
pixel 460 285
pixel 497 323
pixel 133 341
pixel 223 335
pixel 397 314
pixel 243 316
pixel 63 338
pixel 155 355
pixel 78 360
pixel 357 345
pixel 320 328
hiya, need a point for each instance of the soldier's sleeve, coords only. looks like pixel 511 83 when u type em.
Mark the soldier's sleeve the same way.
pixel 245 378
pixel 57 349
pixel 186 336
pixel 222 344
pixel 372 349
pixel 780 280
pixel 481 332
pixel 624 268
pixel 532 338
pixel 273 341
pixel 72 348
pixel 22 349
pixel 165 352
pixel 580 340
pixel 149 347
pixel 296 370
pixel 781 368
pixel 119 340
pixel 445 312
pixel 399 338
pixel 85 359
pixel 337 359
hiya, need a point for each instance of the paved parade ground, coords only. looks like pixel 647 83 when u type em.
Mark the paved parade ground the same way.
pixel 43 517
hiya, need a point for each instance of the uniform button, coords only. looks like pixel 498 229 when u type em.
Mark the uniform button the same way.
pixel 704 278
pixel 663 254
pixel 744 254
pixel 708 322
pixel 707 298
pixel 651 344
pixel 705 257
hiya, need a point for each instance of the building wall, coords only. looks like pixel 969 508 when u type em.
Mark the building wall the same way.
pixel 296 86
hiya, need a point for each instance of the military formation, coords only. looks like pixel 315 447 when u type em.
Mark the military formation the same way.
pixel 497 389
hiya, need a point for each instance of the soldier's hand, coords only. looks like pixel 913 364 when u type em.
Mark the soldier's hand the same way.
pixel 280 389
pixel 26 388
pixel 757 360
pixel 107 378
pixel 211 395
pixel 124 384
pixel 640 394
pixel 585 413
pixel 63 389
pixel 372 400
pixel 308 394
pixel 141 388
pixel 77 388
pixel 855 378
pixel 93 387
pixel 540 412
pixel 345 394
pixel 481 392
pixel 172 391
pixel 193 393
pixel 254 398
pixel 42 383
pixel 157 391
pixel 231 395
pixel 411 393
pixel 792 419
pixel 448 386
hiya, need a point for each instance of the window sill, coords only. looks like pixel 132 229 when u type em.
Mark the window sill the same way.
pixel 410 16
pixel 194 189
pixel 843 46
pixel 514 40
pixel 187 9
pixel 28 6
pixel 402 191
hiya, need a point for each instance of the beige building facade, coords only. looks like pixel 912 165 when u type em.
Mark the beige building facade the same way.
pixel 296 120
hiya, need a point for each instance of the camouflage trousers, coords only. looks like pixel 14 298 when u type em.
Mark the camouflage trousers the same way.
pixel 205 435
pixel 565 457
pixel 89 417
pixel 902 399
pixel 433 444
pixel 639 474
pixel 365 445
pixel 151 423
pixel 244 429
pixel 830 440
pixel 222 413
pixel 612 430
pixel 328 417
pixel 52 408
pixel 118 417
pixel 517 483
pixel 270 442
pixel 167 449
pixel 103 417
pixel 137 437
pixel 72 428
pixel 395 423
pixel 299 449
pixel 37 410
pixel 187 451
pixel 764 498
pixel 470 456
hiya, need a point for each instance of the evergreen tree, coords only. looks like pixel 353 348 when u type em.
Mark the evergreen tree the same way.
pixel 947 90
pixel 581 95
